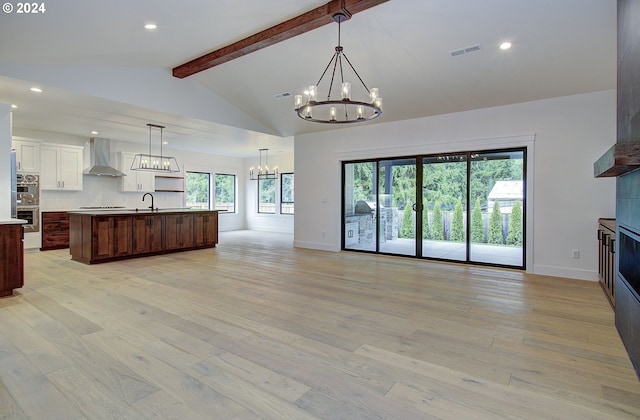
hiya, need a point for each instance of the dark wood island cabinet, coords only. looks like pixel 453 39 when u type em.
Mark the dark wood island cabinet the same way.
pixel 11 257
pixel 147 233
pixel 100 237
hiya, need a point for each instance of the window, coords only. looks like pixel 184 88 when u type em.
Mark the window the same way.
pixel 286 193
pixel 198 190
pixel 225 194
pixel 266 196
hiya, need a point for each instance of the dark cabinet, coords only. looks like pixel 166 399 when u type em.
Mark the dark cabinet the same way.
pixel 606 257
pixel 206 229
pixel 111 236
pixel 178 231
pixel 147 234
pixel 101 237
pixel 11 258
pixel 55 230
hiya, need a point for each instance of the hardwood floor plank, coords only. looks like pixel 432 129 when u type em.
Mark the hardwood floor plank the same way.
pixel 256 329
pixel 246 393
pixel 70 319
pixel 9 408
pixel 40 352
pixel 164 405
pixel 198 396
pixel 124 383
pixel 92 398
pixel 35 395
pixel 483 395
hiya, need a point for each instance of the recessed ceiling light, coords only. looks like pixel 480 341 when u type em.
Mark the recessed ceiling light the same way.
pixel 14 106
pixel 150 26
pixel 94 132
pixel 36 89
pixel 505 45
pixel 165 142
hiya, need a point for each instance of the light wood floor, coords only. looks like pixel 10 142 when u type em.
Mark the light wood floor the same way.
pixel 258 329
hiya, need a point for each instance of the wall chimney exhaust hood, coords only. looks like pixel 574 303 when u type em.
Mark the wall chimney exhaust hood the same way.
pixel 100 152
pixel 620 159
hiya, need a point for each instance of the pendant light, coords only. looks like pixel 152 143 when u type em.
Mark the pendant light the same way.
pixel 263 172
pixel 155 163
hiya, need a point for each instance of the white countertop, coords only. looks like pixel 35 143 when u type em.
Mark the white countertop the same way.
pixel 12 222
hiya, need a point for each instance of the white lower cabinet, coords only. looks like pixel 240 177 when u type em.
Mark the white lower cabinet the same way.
pixel 61 167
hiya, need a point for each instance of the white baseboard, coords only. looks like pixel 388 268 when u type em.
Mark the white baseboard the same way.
pixel 571 273
pixel 316 245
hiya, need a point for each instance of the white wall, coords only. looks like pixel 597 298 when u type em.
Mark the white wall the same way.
pixel 5 161
pixel 570 134
pixel 283 223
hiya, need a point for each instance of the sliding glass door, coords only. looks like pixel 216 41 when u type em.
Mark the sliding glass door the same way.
pixel 497 197
pixel 398 206
pixel 444 190
pixel 464 207
pixel 359 206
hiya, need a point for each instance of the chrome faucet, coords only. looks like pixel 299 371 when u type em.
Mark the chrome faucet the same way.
pixel 145 196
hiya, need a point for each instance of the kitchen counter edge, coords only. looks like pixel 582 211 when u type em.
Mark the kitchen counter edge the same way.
pixel 133 212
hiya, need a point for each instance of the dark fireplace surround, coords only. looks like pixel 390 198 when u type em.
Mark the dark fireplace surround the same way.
pixel 623 161
pixel 628 293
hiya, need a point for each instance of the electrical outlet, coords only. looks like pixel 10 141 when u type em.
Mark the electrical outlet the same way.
pixel 575 254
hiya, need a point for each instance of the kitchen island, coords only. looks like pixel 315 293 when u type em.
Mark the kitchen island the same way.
pixel 103 236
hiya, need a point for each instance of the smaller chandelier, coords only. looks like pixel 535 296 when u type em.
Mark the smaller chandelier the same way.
pixel 343 110
pixel 263 172
pixel 155 163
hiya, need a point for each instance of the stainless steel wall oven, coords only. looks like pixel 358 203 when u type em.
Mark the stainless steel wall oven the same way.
pixel 28 200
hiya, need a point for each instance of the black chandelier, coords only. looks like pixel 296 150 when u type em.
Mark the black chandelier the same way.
pixel 343 110
pixel 263 172
pixel 154 163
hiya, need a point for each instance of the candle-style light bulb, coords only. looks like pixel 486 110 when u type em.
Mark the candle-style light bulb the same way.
pixel 373 94
pixel 313 92
pixel 332 112
pixel 345 92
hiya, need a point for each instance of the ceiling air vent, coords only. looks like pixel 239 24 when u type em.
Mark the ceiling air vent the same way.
pixel 281 95
pixel 466 50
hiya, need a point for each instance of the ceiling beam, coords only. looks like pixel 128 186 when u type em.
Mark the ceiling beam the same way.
pixel 305 22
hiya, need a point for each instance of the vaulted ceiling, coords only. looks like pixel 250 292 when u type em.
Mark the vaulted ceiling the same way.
pixel 101 70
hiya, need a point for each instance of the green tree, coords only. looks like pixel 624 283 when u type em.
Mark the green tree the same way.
pixel 457 224
pixel 407 229
pixel 197 184
pixel 515 225
pixel 225 188
pixel 437 232
pixel 477 227
pixel 426 232
pixel 495 225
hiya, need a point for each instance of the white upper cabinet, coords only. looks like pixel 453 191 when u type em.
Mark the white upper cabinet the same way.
pixel 134 181
pixel 27 155
pixel 61 167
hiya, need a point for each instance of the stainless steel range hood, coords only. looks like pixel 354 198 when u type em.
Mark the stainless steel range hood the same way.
pixel 100 152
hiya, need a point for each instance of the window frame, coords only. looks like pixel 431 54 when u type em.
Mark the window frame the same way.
pixel 282 175
pixel 209 186
pixel 235 193
pixel 274 196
